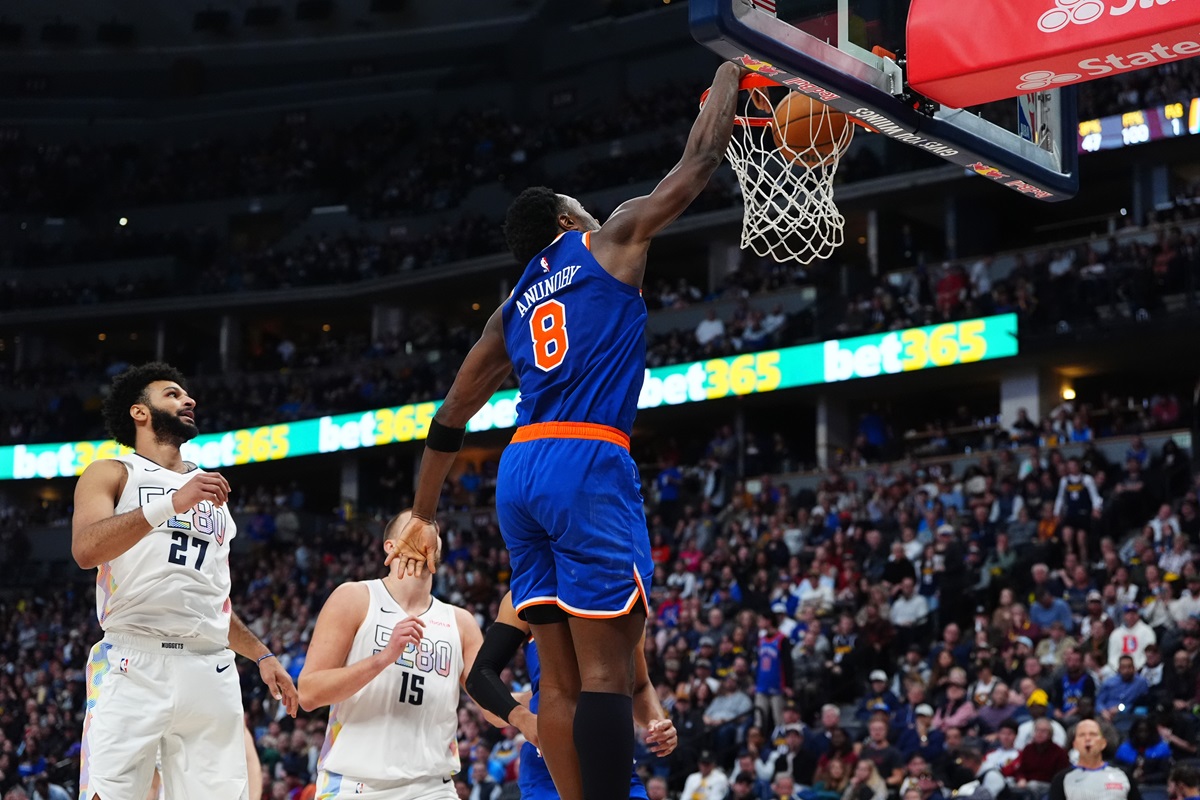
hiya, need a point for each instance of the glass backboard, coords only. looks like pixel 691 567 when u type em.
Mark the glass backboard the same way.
pixel 837 51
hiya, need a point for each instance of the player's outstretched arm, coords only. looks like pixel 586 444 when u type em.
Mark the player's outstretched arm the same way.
pixel 500 644
pixel 481 373
pixel 327 678
pixel 661 736
pixel 621 243
pixel 243 642
pixel 98 536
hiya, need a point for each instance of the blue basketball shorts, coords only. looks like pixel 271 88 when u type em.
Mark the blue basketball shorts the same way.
pixel 570 511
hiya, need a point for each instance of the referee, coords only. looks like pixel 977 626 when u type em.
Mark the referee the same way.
pixel 1092 778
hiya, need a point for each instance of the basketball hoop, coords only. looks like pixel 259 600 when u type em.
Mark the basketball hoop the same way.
pixel 785 157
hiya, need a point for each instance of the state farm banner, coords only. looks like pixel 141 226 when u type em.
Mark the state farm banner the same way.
pixel 967 53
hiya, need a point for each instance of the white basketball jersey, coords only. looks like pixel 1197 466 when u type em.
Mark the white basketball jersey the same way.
pixel 174 583
pixel 403 725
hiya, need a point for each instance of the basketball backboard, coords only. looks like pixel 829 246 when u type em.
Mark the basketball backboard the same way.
pixel 824 49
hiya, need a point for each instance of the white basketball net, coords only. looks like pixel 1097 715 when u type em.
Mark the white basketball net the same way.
pixel 789 214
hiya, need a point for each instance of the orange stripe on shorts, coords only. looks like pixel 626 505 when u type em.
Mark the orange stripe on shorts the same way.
pixel 571 430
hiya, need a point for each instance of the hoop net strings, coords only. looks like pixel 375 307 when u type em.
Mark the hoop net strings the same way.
pixel 789 212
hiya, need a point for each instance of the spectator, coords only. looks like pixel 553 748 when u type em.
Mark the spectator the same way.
pixel 1002 707
pixel 878 698
pixel 1130 639
pixel 1071 684
pixel 1145 756
pixel 1005 751
pixel 922 738
pixel 1038 762
pixel 1037 703
pixel 887 760
pixel 1120 695
pixel 957 709
pixel 708 782
pixel 793 759
pixel 866 783
pixel 711 330
pixel 1050 609
pixel 1051 652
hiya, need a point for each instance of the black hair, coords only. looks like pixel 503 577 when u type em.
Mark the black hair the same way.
pixel 1186 775
pixel 532 222
pixel 129 388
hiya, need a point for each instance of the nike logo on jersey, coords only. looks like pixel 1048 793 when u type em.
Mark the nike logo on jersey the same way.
pixel 222 669
pixel 447 780
pixel 384 610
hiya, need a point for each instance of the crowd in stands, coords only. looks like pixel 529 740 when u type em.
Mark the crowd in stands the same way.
pixel 382 167
pixel 920 629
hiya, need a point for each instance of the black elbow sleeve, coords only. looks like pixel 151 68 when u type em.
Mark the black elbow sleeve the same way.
pixel 483 682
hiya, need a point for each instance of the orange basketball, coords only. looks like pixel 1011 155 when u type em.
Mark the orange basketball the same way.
pixel 805 133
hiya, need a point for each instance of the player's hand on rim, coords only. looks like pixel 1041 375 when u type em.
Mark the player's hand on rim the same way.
pixel 210 486
pixel 416 548
pixel 279 684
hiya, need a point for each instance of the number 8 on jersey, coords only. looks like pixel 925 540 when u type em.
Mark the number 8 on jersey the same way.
pixel 548 329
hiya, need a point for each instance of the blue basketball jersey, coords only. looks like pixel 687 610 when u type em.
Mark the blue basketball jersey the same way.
pixel 534 778
pixel 577 339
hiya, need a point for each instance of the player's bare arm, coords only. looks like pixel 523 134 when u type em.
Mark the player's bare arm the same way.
pixel 622 242
pixel 98 536
pixel 661 736
pixel 243 642
pixel 482 372
pixel 483 679
pixel 327 678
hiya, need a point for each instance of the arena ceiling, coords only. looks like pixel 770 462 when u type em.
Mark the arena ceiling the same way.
pixel 40 25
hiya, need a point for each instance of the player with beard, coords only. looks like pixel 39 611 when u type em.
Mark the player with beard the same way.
pixel 158 529
pixel 1091 778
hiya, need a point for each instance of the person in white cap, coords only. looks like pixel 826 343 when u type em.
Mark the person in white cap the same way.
pixel 922 738
pixel 878 698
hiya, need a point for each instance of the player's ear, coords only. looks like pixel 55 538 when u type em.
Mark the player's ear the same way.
pixel 388 546
pixel 140 412
pixel 567 221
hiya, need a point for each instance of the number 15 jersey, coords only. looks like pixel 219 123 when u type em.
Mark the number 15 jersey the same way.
pixel 576 337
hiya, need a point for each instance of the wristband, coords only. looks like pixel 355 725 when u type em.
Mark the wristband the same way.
pixel 159 510
pixel 259 660
pixel 444 439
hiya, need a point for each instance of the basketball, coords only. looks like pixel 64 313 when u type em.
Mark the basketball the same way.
pixel 807 132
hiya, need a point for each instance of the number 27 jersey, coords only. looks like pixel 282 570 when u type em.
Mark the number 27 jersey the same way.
pixel 576 337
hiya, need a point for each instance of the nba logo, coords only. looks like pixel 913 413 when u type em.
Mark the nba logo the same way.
pixel 124 665
pixel 359 788
pixel 545 265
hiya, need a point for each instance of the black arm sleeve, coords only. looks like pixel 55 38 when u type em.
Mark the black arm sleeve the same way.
pixel 1057 792
pixel 483 683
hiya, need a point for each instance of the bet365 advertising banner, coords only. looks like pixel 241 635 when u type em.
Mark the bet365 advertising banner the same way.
pixel 833 361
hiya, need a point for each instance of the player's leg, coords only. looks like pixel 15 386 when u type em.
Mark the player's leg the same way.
pixel 204 751
pixel 604 649
pixel 559 693
pixel 126 714
pixel 253 767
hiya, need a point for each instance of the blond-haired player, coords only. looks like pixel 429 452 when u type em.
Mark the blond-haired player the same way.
pixel 162 679
pixel 390 659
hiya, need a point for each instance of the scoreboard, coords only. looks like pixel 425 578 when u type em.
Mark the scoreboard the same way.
pixel 1138 127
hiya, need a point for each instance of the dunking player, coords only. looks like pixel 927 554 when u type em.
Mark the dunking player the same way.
pixel 389 657
pixel 1091 778
pixel 500 644
pixel 158 529
pixel 568 494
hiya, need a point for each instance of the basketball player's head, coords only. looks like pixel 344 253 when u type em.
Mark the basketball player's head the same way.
pixel 391 536
pixel 153 398
pixel 537 216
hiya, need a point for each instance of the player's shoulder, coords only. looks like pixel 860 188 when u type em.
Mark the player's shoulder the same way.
pixel 106 472
pixel 349 597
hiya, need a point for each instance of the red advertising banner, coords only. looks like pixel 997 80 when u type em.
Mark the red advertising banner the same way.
pixel 966 53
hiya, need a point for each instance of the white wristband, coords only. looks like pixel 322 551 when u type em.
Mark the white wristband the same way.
pixel 159 510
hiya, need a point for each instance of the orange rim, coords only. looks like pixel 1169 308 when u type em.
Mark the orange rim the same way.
pixel 751 81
